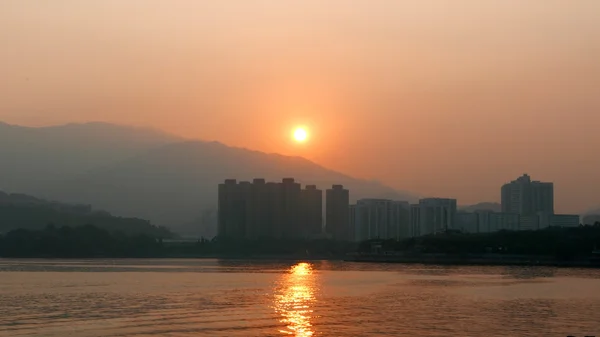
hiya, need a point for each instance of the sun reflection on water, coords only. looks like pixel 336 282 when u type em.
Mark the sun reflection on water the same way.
pixel 293 298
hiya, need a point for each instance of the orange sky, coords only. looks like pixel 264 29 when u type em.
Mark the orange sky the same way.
pixel 443 97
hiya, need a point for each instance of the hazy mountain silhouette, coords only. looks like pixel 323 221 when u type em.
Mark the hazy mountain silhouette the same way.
pixel 31 158
pixel 177 184
pixel 148 174
pixel 482 206
pixel 21 211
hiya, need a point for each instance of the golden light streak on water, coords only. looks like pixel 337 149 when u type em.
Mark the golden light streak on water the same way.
pixel 294 300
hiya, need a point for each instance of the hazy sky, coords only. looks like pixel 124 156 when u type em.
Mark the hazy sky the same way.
pixel 447 98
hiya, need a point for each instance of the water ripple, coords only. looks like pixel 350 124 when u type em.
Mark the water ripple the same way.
pixel 284 298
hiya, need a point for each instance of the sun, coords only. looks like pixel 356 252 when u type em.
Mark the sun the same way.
pixel 300 135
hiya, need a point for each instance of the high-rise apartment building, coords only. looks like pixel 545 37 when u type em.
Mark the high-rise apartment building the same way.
pixel 414 217
pixel 380 219
pixel 257 209
pixel 311 211
pixel 246 223
pixel 432 215
pixel 526 197
pixel 352 222
pixel 291 209
pixel 372 219
pixel 401 220
pixel 231 210
pixel 274 207
pixel 337 204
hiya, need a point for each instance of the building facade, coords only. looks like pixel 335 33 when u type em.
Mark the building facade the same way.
pixel 311 212
pixel 526 197
pixel 466 222
pixel 257 209
pixel 352 222
pixel 558 220
pixel 496 221
pixel 488 221
pixel 401 219
pixel 435 215
pixel 231 210
pixel 380 219
pixel 290 209
pixel 414 217
pixel 529 222
pixel 337 206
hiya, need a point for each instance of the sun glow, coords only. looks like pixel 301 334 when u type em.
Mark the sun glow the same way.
pixel 300 134
pixel 301 269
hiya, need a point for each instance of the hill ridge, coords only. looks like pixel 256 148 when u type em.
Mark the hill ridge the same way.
pixel 171 182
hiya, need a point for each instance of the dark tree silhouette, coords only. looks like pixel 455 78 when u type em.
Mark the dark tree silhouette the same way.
pixel 81 241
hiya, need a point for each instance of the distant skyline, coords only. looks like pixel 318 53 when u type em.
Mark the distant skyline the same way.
pixel 444 98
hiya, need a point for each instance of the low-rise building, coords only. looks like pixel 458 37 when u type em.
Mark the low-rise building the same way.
pixel 466 222
pixel 503 221
pixel 529 222
pixel 486 221
pixel 558 220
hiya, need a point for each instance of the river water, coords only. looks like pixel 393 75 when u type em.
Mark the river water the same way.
pixel 83 298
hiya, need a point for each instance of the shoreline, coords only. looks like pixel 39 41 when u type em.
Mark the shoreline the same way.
pixel 376 259
pixel 458 261
pixel 182 257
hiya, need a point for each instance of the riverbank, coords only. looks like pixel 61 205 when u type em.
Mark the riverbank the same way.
pixel 476 261
pixel 270 257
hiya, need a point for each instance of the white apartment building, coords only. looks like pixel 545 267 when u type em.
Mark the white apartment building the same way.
pixel 432 215
pixel 380 219
pixel 497 221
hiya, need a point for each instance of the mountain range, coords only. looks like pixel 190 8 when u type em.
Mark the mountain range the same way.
pixel 146 173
